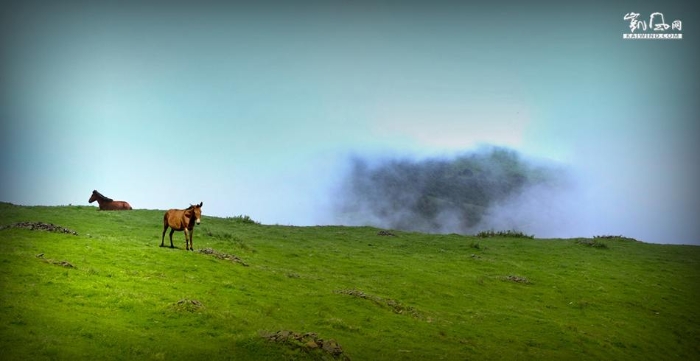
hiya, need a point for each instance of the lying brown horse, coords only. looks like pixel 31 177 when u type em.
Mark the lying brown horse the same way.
pixel 108 204
pixel 182 220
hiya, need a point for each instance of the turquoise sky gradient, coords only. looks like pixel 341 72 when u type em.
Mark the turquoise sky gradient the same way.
pixel 254 109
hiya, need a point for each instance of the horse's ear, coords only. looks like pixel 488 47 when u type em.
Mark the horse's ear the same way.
pixel 201 204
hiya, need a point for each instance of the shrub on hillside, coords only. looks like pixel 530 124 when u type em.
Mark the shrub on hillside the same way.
pixel 595 243
pixel 618 238
pixel 243 219
pixel 508 233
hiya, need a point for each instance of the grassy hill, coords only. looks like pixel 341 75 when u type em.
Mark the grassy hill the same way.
pixel 280 292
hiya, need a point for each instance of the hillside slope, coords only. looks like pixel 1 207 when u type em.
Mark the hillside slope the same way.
pixel 280 292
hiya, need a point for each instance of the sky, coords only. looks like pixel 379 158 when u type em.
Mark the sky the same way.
pixel 256 109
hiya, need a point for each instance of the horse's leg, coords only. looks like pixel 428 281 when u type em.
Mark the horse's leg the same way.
pixel 191 235
pixel 162 239
pixel 187 244
pixel 172 230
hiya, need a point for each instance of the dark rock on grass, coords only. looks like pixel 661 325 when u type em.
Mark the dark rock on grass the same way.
pixel 65 264
pixel 188 305
pixel 396 306
pixel 224 256
pixel 40 226
pixel 517 279
pixel 308 342
pixel 352 292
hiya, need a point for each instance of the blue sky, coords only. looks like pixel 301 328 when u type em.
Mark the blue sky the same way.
pixel 254 109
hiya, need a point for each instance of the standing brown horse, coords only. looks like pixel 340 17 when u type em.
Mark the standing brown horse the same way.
pixel 108 204
pixel 182 220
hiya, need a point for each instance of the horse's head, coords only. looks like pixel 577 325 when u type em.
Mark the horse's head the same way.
pixel 197 210
pixel 93 197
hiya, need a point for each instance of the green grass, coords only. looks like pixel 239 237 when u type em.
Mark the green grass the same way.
pixel 410 297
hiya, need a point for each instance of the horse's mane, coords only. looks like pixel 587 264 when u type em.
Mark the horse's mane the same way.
pixel 103 197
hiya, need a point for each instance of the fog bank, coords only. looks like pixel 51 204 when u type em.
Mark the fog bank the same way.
pixel 489 188
pixel 495 188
